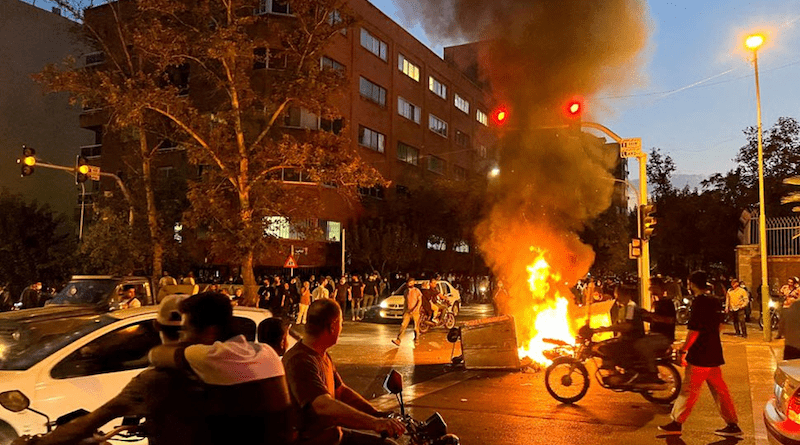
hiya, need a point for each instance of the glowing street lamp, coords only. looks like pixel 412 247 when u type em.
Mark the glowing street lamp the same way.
pixel 754 42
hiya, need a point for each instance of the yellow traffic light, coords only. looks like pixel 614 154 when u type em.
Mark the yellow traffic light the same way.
pixel 83 169
pixel 30 161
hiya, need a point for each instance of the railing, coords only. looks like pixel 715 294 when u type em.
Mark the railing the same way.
pixel 783 235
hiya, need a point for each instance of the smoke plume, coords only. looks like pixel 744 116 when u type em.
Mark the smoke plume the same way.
pixel 535 55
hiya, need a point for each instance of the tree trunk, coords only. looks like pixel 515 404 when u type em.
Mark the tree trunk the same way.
pixel 249 280
pixel 152 212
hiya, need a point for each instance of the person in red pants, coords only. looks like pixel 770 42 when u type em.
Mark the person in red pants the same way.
pixel 703 362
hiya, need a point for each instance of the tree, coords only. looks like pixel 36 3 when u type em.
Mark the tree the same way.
pixel 228 115
pixel 35 244
pixel 382 245
pixel 659 173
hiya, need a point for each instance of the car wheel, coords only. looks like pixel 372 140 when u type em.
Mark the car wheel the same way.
pixel 7 434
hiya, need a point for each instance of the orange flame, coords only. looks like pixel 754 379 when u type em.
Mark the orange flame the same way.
pixel 551 315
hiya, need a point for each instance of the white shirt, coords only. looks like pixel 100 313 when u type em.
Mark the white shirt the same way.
pixel 234 361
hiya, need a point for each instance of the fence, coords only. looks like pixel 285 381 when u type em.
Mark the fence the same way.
pixel 783 235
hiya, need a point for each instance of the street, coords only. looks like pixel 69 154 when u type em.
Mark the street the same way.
pixel 498 407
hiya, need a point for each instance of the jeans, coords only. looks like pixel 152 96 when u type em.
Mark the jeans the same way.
pixel 693 381
pixel 301 313
pixel 407 317
pixel 739 324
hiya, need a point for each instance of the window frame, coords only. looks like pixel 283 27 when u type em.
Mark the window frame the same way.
pixel 403 105
pixel 408 67
pixel 374 87
pixel 433 82
pixel 439 160
pixel 463 106
pixel 405 149
pixel 433 118
pixel 374 45
pixel 481 117
pixel 380 139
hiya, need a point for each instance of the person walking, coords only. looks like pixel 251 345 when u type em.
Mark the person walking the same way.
pixel 357 292
pixel 342 295
pixel 736 300
pixel 703 361
pixel 413 305
pixel 371 291
pixel 305 301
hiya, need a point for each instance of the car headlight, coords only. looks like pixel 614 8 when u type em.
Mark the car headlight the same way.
pixel 773 304
pixel 685 301
pixel 384 304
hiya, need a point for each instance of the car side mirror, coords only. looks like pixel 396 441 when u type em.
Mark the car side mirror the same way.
pixel 14 401
pixel 393 382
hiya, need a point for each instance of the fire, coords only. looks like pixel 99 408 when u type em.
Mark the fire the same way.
pixel 549 315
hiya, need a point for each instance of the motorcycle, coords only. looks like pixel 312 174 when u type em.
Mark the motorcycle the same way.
pixel 567 378
pixel 447 318
pixel 683 310
pixel 774 314
pixel 432 431
pixel 15 401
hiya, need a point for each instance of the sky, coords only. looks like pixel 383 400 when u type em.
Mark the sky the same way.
pixel 699 92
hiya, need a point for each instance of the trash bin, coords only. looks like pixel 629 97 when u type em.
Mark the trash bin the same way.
pixel 490 343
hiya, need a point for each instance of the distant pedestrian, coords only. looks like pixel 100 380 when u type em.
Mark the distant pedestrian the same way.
pixel 321 291
pixel 31 295
pixel 703 362
pixel 371 290
pixel 357 293
pixel 305 301
pixel 412 308
pixel 342 294
pixel 166 280
pixel 736 300
pixel 264 293
pixel 189 279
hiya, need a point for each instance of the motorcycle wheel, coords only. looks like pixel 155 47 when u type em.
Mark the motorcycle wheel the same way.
pixel 424 326
pixel 682 316
pixel 449 320
pixel 668 373
pixel 567 380
pixel 456 308
pixel 7 434
pixel 775 321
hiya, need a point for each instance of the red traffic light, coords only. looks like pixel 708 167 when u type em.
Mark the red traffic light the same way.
pixel 574 108
pixel 500 115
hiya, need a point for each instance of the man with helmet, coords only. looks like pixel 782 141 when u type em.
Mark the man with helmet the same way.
pixel 168 399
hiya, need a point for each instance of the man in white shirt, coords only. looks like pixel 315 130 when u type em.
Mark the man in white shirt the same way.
pixel 736 300
pixel 320 291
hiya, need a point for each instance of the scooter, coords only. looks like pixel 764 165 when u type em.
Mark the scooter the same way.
pixel 683 309
pixel 447 318
pixel 15 401
pixel 774 314
pixel 432 431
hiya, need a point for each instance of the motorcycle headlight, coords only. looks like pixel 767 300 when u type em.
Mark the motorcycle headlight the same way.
pixel 384 304
pixel 685 301
pixel 773 304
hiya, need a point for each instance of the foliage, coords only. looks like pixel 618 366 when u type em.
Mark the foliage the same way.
pixel 111 246
pixel 379 244
pixel 607 234
pixel 35 244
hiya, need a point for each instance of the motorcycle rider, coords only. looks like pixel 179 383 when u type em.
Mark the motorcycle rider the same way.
pixel 627 322
pixel 168 399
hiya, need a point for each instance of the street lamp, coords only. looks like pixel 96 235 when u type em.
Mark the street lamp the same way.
pixel 754 42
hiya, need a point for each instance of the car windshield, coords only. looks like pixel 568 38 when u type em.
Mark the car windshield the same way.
pixel 402 289
pixel 85 292
pixel 23 345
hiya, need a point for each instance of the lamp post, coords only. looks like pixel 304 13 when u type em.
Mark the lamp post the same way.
pixel 754 42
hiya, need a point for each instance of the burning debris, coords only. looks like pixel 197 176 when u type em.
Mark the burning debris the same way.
pixel 535 55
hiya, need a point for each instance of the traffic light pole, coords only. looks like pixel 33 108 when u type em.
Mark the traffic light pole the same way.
pixel 644 260
pixel 116 178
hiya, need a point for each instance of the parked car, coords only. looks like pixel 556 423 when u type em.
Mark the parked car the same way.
pixel 782 412
pixel 391 308
pixel 66 358
pixel 102 292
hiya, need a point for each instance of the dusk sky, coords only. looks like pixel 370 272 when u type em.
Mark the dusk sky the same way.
pixel 700 91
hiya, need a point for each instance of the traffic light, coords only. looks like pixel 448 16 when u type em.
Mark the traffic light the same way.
pixel 27 161
pixel 647 214
pixel 81 170
pixel 573 111
pixel 500 116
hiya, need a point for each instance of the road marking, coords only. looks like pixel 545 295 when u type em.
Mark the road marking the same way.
pixel 388 402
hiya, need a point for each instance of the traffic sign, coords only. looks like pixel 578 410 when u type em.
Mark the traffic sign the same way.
pixel 290 263
pixel 630 147
pixel 94 173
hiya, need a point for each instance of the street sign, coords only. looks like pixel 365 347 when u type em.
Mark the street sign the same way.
pixel 94 173
pixel 630 147
pixel 290 263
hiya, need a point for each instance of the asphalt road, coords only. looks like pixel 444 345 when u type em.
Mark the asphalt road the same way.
pixel 493 407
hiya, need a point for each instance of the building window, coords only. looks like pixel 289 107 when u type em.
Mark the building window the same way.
pixel 327 62
pixel 437 125
pixel 482 152
pixel 436 243
pixel 371 138
pixel 177 232
pixel 436 165
pixel 459 173
pixel 372 192
pixel 296 117
pixel 335 17
pixel 333 231
pixel 461 247
pixel 95 58
pixel 462 139
pixel 295 175
pixel 407 154
pixel 331 126
pixel 408 68
pixel 462 104
pixel 437 87
pixel 164 173
pixel 373 92
pixel 273 7
pixel 403 190
pixel 408 110
pixel 373 44
pixel 481 117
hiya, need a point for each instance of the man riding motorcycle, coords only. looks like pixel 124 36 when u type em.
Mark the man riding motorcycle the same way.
pixel 627 323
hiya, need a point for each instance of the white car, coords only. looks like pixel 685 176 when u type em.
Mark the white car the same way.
pixel 782 412
pixel 66 358
pixel 391 308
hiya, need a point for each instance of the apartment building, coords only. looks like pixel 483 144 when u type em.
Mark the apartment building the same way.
pixel 411 114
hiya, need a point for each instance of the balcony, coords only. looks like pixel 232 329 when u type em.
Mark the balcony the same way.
pixel 92 151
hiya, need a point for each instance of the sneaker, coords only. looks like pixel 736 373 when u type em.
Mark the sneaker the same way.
pixel 396 341
pixel 672 428
pixel 732 430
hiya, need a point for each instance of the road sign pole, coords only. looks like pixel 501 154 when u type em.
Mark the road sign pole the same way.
pixel 644 260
